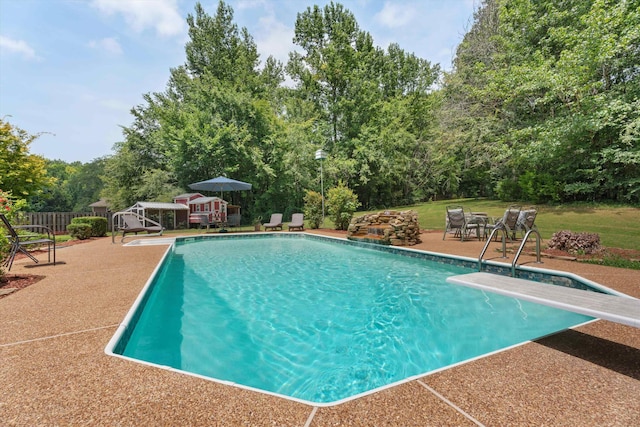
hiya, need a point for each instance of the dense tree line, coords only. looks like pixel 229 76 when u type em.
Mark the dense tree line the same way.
pixel 542 105
pixel 372 110
pixel 44 185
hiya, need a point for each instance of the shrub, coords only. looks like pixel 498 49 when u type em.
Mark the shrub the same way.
pixel 342 202
pixel 9 206
pixel 5 247
pixel 313 208
pixel 575 243
pixel 79 230
pixel 98 224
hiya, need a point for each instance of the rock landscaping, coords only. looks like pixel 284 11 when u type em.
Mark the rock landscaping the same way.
pixel 397 228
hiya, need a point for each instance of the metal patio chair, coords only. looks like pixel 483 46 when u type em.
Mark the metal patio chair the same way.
pixel 20 242
pixel 507 223
pixel 458 223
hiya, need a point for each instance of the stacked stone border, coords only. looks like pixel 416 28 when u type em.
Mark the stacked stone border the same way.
pixel 397 228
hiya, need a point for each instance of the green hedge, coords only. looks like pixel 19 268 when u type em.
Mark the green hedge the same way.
pixel 79 230
pixel 98 224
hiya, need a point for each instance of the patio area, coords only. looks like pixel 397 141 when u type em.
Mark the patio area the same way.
pixel 53 369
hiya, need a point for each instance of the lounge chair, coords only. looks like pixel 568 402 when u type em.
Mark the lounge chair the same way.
pixel 274 222
pixel 131 224
pixel 297 222
pixel 526 221
pixel 507 223
pixel 20 242
pixel 457 222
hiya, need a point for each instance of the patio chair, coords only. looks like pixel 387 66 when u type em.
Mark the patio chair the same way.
pixel 297 222
pixel 507 222
pixel 274 222
pixel 132 224
pixel 457 222
pixel 526 221
pixel 20 242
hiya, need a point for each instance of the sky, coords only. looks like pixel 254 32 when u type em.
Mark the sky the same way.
pixel 71 70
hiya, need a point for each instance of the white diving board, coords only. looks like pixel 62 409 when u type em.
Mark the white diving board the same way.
pixel 625 310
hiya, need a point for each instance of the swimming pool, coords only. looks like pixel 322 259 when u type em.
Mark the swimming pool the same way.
pixel 315 320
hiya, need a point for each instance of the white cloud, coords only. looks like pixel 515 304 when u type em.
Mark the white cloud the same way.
pixel 108 44
pixel 250 4
pixel 275 39
pixel 394 15
pixel 17 46
pixel 160 15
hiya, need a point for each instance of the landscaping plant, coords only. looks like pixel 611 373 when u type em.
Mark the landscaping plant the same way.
pixel 8 207
pixel 575 243
pixel 313 208
pixel 79 230
pixel 97 225
pixel 342 202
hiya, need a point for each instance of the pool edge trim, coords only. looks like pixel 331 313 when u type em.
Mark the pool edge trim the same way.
pixel 123 326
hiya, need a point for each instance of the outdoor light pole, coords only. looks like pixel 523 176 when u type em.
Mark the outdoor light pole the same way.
pixel 321 155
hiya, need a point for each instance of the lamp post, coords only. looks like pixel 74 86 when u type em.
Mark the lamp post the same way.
pixel 321 155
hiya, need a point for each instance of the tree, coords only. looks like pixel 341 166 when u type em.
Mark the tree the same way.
pixel 214 118
pixel 22 174
pixel 85 184
pixel 217 48
pixel 56 198
pixel 156 186
pixel 354 89
pixel 537 83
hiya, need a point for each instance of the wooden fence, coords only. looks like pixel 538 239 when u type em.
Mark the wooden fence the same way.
pixel 58 221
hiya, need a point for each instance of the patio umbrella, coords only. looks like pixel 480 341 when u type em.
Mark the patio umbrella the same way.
pixel 221 184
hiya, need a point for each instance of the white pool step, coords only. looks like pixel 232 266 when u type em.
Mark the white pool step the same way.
pixel 154 241
pixel 625 310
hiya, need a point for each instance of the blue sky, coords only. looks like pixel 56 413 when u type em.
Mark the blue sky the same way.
pixel 73 69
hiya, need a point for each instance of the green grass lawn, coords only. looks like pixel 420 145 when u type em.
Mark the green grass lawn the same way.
pixel 618 227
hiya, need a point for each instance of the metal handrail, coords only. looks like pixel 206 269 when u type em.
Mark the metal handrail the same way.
pixel 116 225
pixel 524 241
pixel 486 245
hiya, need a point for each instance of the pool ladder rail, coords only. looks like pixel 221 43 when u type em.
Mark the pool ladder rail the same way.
pixel 504 247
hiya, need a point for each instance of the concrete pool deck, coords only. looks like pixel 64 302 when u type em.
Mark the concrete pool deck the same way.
pixel 53 369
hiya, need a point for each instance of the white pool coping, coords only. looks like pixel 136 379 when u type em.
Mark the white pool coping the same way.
pixel 124 325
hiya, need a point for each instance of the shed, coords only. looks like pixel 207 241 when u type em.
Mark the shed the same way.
pixel 185 198
pixel 101 206
pixel 184 217
pixel 147 208
pixel 214 208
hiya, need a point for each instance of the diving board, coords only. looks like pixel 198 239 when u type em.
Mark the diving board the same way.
pixel 625 310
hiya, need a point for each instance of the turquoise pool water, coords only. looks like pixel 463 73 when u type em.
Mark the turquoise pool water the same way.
pixel 319 321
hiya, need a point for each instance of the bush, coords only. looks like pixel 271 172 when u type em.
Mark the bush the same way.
pixel 575 243
pixel 98 224
pixel 313 208
pixel 9 206
pixel 342 202
pixel 5 247
pixel 80 230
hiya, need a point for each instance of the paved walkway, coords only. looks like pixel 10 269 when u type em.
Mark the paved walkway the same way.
pixel 53 370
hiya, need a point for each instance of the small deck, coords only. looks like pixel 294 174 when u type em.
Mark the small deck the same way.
pixel 603 306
